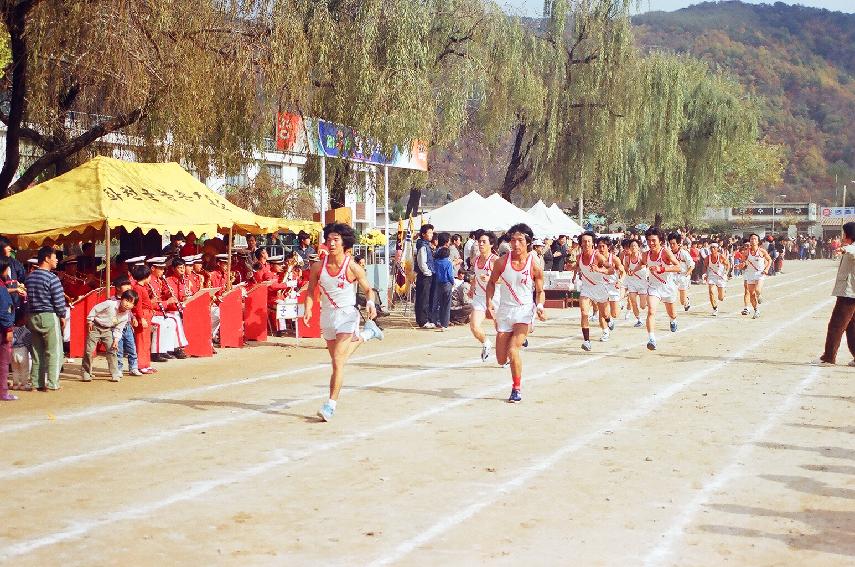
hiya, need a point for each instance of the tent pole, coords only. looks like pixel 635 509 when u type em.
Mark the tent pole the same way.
pixel 229 264
pixel 386 260
pixel 323 195
pixel 107 257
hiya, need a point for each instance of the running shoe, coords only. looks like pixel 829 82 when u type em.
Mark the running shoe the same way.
pixel 821 362
pixel 586 346
pixel 756 314
pixel 428 326
pixel 638 324
pixel 759 298
pixel 651 344
pixel 850 363
pixel 715 312
pixel 485 351
pixel 673 326
pixel 687 306
pixel 592 318
pixel 745 311
pixel 326 412
pixel 515 397
pixel 371 331
pixel 507 364
pixel 525 343
pixel 611 324
pixel 605 337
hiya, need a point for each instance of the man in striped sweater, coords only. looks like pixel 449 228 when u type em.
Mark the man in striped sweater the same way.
pixel 45 320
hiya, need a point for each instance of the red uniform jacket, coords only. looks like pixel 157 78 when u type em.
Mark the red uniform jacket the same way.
pixel 144 308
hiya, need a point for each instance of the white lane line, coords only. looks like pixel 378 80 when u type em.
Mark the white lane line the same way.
pixel 89 412
pixel 164 434
pixel 81 528
pixel 677 529
pixel 521 477
pixel 23 425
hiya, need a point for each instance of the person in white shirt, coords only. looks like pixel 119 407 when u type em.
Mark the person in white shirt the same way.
pixel 682 279
pixel 105 324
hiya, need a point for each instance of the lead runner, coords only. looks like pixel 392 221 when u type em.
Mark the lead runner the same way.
pixel 336 276
pixel 520 278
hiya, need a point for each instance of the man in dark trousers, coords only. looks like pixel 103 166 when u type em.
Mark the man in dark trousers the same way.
pixel 843 315
pixel 424 277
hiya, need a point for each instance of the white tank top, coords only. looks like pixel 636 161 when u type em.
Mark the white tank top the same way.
pixel 655 278
pixel 634 267
pixel 754 263
pixel 613 278
pixel 684 258
pixel 482 274
pixel 518 285
pixel 586 271
pixel 337 292
pixel 715 269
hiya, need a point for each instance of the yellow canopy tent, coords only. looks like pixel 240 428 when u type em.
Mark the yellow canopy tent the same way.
pixel 105 193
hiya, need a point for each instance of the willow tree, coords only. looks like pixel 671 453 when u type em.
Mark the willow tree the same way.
pixel 178 79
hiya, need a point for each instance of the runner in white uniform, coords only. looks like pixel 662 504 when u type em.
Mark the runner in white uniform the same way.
pixel 716 274
pixel 482 265
pixel 590 269
pixel 636 280
pixel 518 278
pixel 682 279
pixel 611 281
pixel 755 266
pixel 661 263
pixel 336 277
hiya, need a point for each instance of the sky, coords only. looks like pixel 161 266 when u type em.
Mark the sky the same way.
pixel 535 7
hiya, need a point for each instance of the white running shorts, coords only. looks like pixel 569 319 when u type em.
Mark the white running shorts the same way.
pixel 636 285
pixel 337 321
pixel 682 282
pixel 664 292
pixel 509 315
pixel 596 293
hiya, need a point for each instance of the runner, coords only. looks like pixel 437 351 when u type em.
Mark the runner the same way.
pixel 520 279
pixel 683 278
pixel 337 275
pixel 482 266
pixel 590 269
pixel 636 280
pixel 755 266
pixel 716 274
pixel 611 282
pixel 661 263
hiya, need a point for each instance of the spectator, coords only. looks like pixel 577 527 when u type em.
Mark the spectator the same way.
pixel 470 249
pixel 424 277
pixel 444 283
pixel 106 323
pixel 16 269
pixel 559 253
pixel 127 346
pixel 461 302
pixel 454 252
pixel 547 254
pixel 45 321
pixel 537 248
pixel 7 321
pixel 843 315
pixel 304 249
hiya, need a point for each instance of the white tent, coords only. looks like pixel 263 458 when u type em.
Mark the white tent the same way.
pixel 465 214
pixel 568 225
pixel 541 213
pixel 512 214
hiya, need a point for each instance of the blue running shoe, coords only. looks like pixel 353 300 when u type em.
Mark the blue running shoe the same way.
pixel 611 324
pixel 326 412
pixel 673 326
pixel 651 344
pixel 638 324
pixel 515 397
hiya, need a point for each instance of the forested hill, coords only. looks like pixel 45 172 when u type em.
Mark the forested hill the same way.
pixel 800 60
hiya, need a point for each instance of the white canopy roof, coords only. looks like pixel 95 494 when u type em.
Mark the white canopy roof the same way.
pixel 473 211
pixel 512 214
pixel 553 217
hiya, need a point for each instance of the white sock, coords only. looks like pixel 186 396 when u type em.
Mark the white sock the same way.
pixel 331 402
pixel 486 343
pixel 651 336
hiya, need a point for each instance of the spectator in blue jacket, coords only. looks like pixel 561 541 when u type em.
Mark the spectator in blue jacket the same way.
pixel 443 279
pixel 7 321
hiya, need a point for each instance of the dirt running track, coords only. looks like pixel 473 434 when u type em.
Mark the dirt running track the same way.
pixel 722 447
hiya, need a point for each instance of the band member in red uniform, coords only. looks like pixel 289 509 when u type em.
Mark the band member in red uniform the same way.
pixel 143 313
pixel 170 339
